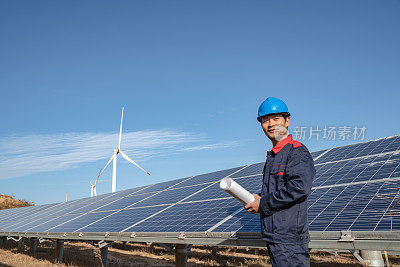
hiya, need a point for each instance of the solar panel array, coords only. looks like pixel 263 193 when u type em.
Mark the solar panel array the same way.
pixel 357 187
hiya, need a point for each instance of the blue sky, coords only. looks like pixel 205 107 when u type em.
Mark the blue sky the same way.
pixel 192 75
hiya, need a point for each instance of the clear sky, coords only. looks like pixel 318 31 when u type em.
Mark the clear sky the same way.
pixel 192 75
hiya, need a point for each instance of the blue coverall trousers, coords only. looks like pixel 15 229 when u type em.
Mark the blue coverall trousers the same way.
pixel 289 255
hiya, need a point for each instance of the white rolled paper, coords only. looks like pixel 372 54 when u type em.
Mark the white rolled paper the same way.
pixel 235 190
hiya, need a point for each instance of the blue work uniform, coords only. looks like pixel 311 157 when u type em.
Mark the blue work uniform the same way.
pixel 287 181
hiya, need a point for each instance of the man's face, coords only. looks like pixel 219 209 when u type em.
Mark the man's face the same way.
pixel 275 126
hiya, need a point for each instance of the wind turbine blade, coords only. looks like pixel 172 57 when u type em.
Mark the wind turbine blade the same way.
pixel 95 183
pixel 120 127
pixel 128 159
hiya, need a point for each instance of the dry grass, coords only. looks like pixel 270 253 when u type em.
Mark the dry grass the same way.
pixel 86 254
pixel 11 258
pixel 8 202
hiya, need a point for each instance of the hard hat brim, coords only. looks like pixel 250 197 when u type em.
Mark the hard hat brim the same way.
pixel 259 118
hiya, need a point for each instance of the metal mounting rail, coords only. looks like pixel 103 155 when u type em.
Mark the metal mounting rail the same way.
pixel 342 240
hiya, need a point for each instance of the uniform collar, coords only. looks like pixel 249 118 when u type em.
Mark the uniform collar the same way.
pixel 281 144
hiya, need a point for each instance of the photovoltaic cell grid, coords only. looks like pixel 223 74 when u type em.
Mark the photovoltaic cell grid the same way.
pixel 357 187
pixel 316 154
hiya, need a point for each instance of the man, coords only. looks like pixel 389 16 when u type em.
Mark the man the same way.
pixel 287 181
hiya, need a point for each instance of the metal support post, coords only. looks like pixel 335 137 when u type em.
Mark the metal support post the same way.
pixel 372 258
pixel 181 255
pixel 166 246
pixel 152 247
pixel 214 252
pixel 21 245
pixel 34 243
pixel 124 245
pixel 59 250
pixel 357 256
pixel 104 252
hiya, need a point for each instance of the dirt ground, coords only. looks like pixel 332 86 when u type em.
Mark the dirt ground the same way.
pixel 86 254
pixel 8 202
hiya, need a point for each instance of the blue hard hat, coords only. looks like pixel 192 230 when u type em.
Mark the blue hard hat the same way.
pixel 270 106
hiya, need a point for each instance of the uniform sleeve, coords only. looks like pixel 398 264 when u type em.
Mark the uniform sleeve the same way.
pixel 300 170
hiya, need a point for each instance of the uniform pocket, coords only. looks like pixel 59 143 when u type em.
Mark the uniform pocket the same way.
pixel 278 169
pixel 280 176
pixel 285 221
pixel 302 220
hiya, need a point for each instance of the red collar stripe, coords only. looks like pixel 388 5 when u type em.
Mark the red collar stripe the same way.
pixel 284 142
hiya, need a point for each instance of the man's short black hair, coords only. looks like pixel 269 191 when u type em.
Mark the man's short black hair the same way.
pixel 285 115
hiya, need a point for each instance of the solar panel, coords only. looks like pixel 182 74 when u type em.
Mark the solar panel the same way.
pixel 356 188
pixel 69 211
pixel 363 149
pixel 189 216
pixel 356 170
pixel 317 154
pixel 353 206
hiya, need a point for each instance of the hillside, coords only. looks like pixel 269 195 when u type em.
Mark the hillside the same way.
pixel 8 202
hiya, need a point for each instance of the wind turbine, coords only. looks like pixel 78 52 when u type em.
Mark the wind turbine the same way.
pixel 92 189
pixel 113 158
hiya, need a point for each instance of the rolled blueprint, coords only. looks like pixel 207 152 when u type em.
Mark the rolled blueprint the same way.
pixel 235 190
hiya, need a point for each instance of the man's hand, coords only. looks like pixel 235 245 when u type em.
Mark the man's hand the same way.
pixel 254 207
